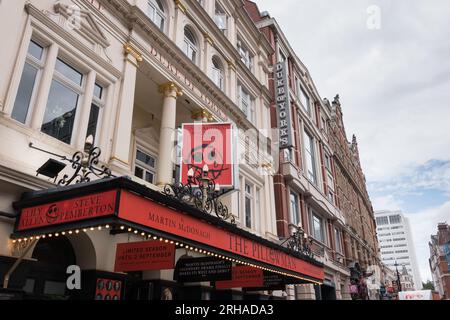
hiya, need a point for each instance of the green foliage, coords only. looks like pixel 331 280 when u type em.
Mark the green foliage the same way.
pixel 429 285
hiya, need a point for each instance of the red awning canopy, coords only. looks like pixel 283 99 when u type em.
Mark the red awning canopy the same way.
pixel 123 205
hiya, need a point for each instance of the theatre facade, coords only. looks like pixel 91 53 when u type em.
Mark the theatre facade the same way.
pixel 96 98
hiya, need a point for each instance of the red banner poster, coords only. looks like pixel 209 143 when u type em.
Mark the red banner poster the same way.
pixel 208 144
pixel 243 277
pixel 78 209
pixel 144 256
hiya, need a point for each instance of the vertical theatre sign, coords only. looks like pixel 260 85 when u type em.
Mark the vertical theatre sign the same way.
pixel 283 105
pixel 209 144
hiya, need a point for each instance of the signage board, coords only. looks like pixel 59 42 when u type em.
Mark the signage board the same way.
pixel 108 289
pixel 65 211
pixel 243 277
pixel 415 295
pixel 142 211
pixel 202 269
pixel 283 101
pixel 144 256
pixel 208 144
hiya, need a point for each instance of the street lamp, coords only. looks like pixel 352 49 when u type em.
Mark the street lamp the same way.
pixel 399 283
pixel 201 191
pixel 86 164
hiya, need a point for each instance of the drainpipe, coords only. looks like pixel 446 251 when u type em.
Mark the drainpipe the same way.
pixel 16 264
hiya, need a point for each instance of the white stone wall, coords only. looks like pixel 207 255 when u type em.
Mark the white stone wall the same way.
pixel 97 50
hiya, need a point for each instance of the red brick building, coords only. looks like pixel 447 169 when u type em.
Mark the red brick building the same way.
pixel 361 244
pixel 320 188
pixel 440 260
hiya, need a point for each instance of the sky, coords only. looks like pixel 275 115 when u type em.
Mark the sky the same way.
pixel 389 61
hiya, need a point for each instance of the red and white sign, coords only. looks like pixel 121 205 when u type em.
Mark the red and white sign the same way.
pixel 78 209
pixel 139 210
pixel 415 295
pixel 208 144
pixel 243 277
pixel 144 256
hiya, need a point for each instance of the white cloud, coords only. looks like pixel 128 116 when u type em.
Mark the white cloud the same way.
pixel 433 175
pixel 392 81
pixel 386 203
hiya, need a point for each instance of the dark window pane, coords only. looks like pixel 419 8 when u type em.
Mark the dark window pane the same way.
pixel 23 99
pixel 35 50
pixel 138 172
pixel 93 120
pixel 149 177
pixel 145 158
pixel 60 112
pixel 98 91
pixel 248 212
pixel 69 72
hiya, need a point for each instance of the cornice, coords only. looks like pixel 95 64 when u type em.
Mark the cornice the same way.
pixel 70 38
pixel 138 22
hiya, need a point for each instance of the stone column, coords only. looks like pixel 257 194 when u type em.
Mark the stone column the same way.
pixel 305 292
pixel 124 118
pixel 44 88
pixel 167 135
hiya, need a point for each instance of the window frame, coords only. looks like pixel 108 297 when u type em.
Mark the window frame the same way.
pixel 296 218
pixel 246 55
pixel 39 66
pixel 220 72
pixel 143 166
pixel 312 155
pixel 100 103
pixel 67 83
pixel 190 45
pixel 157 11
pixel 338 240
pixel 250 111
pixel 322 238
pixel 220 11
pixel 251 197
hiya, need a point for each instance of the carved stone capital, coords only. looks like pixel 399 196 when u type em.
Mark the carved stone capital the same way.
pixel 170 89
pixel 180 6
pixel 129 49
pixel 201 114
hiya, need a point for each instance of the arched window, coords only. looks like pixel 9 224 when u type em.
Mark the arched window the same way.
pixel 217 72
pixel 190 45
pixel 156 13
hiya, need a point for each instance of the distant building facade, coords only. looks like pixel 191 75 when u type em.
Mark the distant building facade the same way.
pixel 440 260
pixel 396 244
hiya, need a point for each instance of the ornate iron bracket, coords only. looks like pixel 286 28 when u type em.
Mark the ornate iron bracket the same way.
pixel 201 192
pixel 300 242
pixel 85 164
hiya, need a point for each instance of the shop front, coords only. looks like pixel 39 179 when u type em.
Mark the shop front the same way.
pixel 132 242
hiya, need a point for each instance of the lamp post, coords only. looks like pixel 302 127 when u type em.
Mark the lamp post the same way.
pixel 201 191
pixel 399 282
